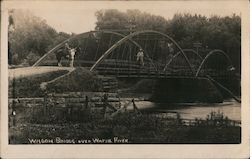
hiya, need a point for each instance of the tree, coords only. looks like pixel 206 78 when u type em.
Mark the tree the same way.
pixel 213 32
pixel 31 38
pixel 116 20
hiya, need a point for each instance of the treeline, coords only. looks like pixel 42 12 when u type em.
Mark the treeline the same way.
pixel 213 32
pixel 32 37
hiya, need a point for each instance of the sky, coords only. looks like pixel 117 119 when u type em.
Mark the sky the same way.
pixel 79 16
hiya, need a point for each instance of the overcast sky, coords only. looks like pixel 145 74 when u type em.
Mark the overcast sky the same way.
pixel 79 16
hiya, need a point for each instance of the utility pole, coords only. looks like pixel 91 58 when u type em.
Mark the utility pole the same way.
pixel 130 26
pixel 197 45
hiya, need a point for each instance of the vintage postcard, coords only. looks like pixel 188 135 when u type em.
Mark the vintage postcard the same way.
pixel 125 79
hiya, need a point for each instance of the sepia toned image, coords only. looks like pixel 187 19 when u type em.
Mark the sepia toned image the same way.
pixel 137 77
pixel 116 74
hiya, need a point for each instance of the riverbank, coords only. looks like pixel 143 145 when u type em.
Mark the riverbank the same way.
pixel 142 125
pixel 130 127
pixel 62 114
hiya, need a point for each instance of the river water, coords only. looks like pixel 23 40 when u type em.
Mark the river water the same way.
pixel 230 108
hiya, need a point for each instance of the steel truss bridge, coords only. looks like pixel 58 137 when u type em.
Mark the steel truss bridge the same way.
pixel 114 54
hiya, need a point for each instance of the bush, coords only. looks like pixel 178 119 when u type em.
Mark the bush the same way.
pixel 32 58
pixel 30 86
pixel 79 80
pixel 214 119
pixel 137 128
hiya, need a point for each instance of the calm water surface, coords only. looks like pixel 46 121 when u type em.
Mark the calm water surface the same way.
pixel 230 108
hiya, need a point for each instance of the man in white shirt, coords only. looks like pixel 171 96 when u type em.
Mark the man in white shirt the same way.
pixel 140 56
pixel 171 48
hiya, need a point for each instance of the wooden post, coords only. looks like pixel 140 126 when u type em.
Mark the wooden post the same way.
pixel 134 106
pixel 86 102
pixel 45 104
pixel 14 118
pixel 14 111
pixel 105 102
pixel 178 117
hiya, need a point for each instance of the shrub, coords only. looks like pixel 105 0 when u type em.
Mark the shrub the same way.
pixel 30 86
pixel 79 80
pixel 214 119
pixel 32 58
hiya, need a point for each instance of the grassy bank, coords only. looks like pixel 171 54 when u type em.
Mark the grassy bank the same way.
pixel 132 127
pixel 79 80
pixel 30 86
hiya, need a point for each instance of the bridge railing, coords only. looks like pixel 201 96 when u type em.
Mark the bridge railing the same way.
pixel 124 67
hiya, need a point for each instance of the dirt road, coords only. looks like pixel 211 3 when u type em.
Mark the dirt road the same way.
pixel 31 71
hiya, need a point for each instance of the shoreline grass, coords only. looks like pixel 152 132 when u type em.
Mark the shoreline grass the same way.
pixel 134 127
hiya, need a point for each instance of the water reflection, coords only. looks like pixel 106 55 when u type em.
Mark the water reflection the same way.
pixel 230 108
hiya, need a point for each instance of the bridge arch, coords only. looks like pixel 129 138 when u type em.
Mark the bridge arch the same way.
pixel 211 53
pixel 194 52
pixel 178 53
pixel 85 34
pixel 128 37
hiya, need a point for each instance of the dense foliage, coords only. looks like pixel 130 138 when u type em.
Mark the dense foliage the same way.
pixel 31 38
pixel 30 86
pixel 79 80
pixel 214 32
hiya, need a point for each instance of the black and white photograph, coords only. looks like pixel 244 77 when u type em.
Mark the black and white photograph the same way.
pixel 124 73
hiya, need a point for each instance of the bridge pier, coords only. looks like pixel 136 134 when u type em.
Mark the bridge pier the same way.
pixel 185 90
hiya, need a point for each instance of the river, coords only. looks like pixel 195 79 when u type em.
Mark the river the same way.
pixel 230 108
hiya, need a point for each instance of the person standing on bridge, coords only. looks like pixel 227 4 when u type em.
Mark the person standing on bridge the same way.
pixel 171 49
pixel 66 47
pixel 140 57
pixel 65 52
pixel 171 52
pixel 70 53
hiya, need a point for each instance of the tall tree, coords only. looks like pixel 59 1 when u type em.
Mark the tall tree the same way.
pixel 31 38
pixel 213 32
